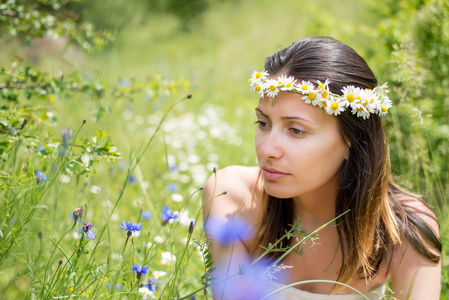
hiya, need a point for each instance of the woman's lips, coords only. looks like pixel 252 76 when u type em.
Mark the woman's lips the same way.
pixel 273 174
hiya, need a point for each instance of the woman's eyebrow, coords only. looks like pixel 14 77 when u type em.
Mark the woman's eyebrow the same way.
pixel 287 117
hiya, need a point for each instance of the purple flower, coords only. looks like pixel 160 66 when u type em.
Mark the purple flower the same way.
pixel 167 215
pixel 151 285
pixel 146 215
pixel 140 270
pixel 132 179
pixel 172 187
pixel 130 227
pixel 225 231
pixel 173 169
pixel 40 148
pixel 40 177
pixel 251 283
pixel 87 229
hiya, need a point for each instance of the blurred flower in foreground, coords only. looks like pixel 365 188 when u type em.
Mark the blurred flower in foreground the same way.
pixel 87 230
pixel 147 294
pixel 252 283
pixel 158 274
pixel 171 187
pixel 132 179
pixel 95 189
pixel 140 270
pixel 167 215
pixel 226 231
pixel 40 177
pixel 146 215
pixel 151 285
pixel 167 258
pixel 130 227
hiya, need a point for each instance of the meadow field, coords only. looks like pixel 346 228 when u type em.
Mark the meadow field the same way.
pixel 163 105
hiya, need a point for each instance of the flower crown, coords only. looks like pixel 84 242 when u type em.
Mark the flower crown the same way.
pixel 361 102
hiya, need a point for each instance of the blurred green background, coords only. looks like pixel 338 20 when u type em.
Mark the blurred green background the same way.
pixel 209 48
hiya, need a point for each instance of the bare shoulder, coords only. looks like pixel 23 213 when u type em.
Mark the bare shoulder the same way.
pixel 420 209
pixel 229 190
pixel 413 273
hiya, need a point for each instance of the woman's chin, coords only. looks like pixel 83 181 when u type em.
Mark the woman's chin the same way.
pixel 277 192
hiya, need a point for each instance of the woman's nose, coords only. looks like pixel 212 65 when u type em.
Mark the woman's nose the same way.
pixel 271 147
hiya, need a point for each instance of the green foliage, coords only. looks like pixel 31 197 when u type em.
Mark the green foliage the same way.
pixel 50 18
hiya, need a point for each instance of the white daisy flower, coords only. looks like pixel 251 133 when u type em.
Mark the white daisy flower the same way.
pixel 287 83
pixel 305 87
pixel 384 106
pixel 351 96
pixel 361 111
pixel 167 258
pixel 311 97
pixel 159 274
pixel 271 88
pixel 334 106
pixel 258 88
pixel 257 77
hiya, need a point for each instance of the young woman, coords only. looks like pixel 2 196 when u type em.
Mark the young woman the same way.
pixel 322 152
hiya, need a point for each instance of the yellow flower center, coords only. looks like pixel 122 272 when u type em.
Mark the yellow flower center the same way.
pixel 384 109
pixel 321 86
pixel 365 103
pixel 372 100
pixel 250 80
pixel 305 87
pixel 359 99
pixel 279 82
pixel 258 75
pixel 258 88
pixel 289 84
pixel 324 103
pixel 272 88
pixel 325 94
pixel 334 105
pixel 312 95
pixel 359 108
pixel 350 97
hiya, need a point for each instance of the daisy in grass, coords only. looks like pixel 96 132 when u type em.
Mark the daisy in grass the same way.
pixel 272 88
pixel 286 83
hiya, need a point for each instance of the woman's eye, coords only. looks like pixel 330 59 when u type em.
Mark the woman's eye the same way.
pixel 297 132
pixel 261 124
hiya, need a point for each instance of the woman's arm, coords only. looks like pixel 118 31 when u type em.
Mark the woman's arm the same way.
pixel 228 256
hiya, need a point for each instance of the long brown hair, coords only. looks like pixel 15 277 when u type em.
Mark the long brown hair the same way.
pixel 377 220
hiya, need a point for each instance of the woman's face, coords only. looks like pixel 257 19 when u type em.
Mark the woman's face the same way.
pixel 300 149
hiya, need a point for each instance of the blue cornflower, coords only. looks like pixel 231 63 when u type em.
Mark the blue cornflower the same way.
pixel 172 187
pixel 130 227
pixel 132 179
pixel 40 148
pixel 146 215
pixel 151 285
pixel 140 270
pixel 173 169
pixel 167 215
pixel 87 229
pixel 40 177
pixel 226 231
